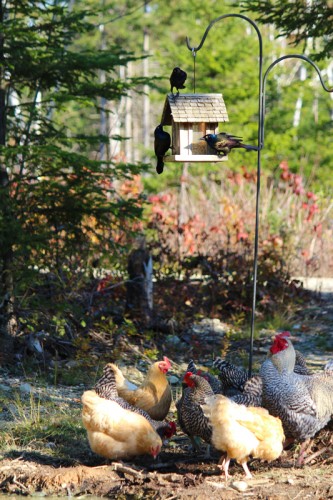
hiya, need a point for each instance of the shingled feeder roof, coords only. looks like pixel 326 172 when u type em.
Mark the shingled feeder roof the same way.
pixel 208 108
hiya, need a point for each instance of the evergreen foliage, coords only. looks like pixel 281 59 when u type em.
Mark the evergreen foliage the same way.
pixel 59 208
pixel 301 21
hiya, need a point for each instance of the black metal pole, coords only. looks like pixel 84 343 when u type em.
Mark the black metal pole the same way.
pixel 260 145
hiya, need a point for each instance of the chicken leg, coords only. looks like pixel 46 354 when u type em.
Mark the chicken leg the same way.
pixel 223 464
pixel 304 450
pixel 246 470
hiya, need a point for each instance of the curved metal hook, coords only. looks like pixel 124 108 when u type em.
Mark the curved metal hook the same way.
pixel 268 70
pixel 211 24
pixel 297 56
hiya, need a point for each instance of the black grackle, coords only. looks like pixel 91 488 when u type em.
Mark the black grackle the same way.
pixel 162 143
pixel 177 79
pixel 223 143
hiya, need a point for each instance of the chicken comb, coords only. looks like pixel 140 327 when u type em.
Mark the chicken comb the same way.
pixel 279 344
pixel 167 361
pixel 187 378
pixel 172 428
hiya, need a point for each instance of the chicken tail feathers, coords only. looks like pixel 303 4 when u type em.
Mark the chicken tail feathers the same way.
pixel 106 386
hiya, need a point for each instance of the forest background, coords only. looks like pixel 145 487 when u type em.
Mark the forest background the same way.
pixel 83 86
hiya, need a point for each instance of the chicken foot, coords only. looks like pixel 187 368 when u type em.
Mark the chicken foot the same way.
pixel 305 448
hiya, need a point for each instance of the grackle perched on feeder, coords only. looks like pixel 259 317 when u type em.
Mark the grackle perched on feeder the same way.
pixel 177 79
pixel 162 143
pixel 223 143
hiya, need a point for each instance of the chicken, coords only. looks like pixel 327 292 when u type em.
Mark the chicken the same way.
pixel 251 394
pixel 214 382
pixel 242 432
pixel 190 415
pixel 237 385
pixel 106 388
pixel 115 432
pixel 304 403
pixel 154 395
pixel 232 377
pixel 329 366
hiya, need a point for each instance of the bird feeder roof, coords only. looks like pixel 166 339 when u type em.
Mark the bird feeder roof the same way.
pixel 194 108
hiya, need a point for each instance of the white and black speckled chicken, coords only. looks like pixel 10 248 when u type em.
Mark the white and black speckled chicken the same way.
pixel 237 386
pixel 232 377
pixel 105 387
pixel 251 395
pixel 191 418
pixel 213 381
pixel 248 392
pixel 304 403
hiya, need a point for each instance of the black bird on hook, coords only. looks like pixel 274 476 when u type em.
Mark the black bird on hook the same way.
pixel 223 143
pixel 177 79
pixel 162 143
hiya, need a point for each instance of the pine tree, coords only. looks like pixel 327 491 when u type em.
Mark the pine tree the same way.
pixel 300 21
pixel 58 200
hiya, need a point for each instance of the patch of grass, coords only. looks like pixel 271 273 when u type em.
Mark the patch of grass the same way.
pixel 280 321
pixel 44 427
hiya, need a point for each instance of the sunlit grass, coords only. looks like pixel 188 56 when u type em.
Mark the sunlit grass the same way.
pixel 44 427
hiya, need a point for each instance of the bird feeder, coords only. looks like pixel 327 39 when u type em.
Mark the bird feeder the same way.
pixel 192 116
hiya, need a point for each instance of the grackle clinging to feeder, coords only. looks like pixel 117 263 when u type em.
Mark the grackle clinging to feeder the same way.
pixel 162 143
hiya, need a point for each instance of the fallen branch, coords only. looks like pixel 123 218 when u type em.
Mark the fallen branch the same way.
pixel 315 455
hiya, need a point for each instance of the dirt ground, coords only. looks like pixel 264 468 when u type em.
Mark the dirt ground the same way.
pixel 175 475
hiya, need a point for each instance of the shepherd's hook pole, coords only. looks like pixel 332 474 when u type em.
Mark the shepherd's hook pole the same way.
pixel 260 146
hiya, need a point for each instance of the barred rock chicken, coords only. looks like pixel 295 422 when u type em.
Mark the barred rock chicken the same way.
pixel 231 376
pixel 154 395
pixel 237 385
pixel 191 419
pixel 242 432
pixel 251 394
pixel 234 378
pixel 214 382
pixel 304 403
pixel 106 388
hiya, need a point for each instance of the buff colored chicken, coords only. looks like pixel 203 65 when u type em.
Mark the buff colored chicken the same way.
pixel 242 432
pixel 115 432
pixel 115 428
pixel 154 395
